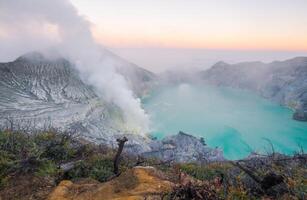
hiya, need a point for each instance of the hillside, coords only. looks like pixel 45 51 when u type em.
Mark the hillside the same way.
pixel 284 82
pixel 39 93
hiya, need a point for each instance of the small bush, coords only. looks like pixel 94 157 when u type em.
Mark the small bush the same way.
pixel 22 153
pixel 47 168
pixel 5 166
pixel 81 170
pixel 42 153
pixel 102 169
pixel 55 146
pixel 206 172
pixel 97 168
pixel 15 143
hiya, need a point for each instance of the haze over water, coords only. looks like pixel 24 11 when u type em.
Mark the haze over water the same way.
pixel 235 120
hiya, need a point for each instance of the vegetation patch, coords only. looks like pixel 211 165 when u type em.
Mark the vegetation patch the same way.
pixel 31 165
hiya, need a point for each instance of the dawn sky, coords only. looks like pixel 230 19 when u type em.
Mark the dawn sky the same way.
pixel 223 24
pixel 164 34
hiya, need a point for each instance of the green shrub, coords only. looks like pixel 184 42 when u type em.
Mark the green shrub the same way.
pixel 5 166
pixel 15 143
pixel 33 153
pixel 97 168
pixel 81 170
pixel 102 169
pixel 206 172
pixel 55 146
pixel 47 168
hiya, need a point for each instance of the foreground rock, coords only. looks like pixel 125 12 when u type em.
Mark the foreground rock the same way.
pixel 137 183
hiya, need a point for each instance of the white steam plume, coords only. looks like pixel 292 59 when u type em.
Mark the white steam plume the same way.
pixel 27 25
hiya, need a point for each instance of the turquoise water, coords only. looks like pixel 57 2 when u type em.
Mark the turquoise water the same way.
pixel 237 121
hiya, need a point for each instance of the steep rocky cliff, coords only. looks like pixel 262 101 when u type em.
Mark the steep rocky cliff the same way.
pixel 284 82
pixel 40 93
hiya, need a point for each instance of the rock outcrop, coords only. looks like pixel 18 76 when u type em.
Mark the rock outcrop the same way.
pixel 184 148
pixel 137 183
pixel 284 82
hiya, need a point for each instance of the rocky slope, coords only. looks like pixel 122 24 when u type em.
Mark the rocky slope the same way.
pixel 38 93
pixel 284 82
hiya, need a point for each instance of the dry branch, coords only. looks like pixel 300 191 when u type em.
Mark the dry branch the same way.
pixel 121 143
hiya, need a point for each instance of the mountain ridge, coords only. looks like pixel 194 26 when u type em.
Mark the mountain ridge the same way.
pixel 284 82
pixel 40 93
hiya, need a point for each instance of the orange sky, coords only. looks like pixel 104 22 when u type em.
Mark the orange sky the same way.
pixel 223 24
pixel 182 40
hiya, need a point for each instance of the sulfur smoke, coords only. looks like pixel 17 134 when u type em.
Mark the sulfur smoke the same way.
pixel 27 25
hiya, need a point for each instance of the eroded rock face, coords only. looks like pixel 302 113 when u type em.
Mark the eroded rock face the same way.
pixel 184 148
pixel 137 183
pixel 38 93
pixel 284 82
